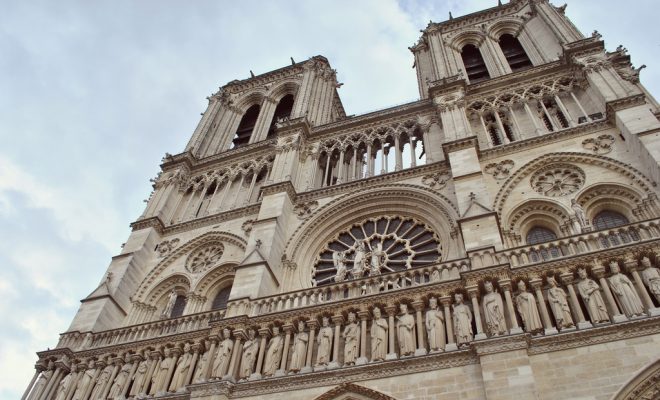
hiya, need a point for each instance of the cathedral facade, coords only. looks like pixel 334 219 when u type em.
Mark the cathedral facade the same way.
pixel 497 238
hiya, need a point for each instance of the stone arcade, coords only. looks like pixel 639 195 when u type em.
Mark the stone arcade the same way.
pixel 496 239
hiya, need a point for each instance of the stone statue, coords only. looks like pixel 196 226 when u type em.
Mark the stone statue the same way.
pixel 101 381
pixel 300 341
pixel 223 356
pixel 590 293
pixel 140 378
pixel 199 369
pixel 273 353
pixel 87 379
pixel 324 341
pixel 250 351
pixel 171 299
pixel 378 260
pixel 529 312
pixel 339 261
pixel 181 371
pixel 405 327
pixel 559 305
pixel 435 326
pixel 625 292
pixel 359 260
pixel 378 336
pixel 462 321
pixel 64 385
pixel 351 337
pixel 493 311
pixel 651 277
pixel 160 375
pixel 580 216
pixel 121 379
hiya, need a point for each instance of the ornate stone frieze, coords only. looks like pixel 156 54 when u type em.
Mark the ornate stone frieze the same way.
pixel 500 170
pixel 557 180
pixel 304 210
pixel 247 226
pixel 436 181
pixel 599 145
pixel 166 246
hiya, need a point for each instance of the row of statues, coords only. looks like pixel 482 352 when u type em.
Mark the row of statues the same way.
pixel 365 262
pixel 430 328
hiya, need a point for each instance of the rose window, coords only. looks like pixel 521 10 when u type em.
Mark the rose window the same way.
pixel 204 258
pixel 558 180
pixel 375 246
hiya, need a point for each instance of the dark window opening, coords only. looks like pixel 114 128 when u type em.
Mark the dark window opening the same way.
pixel 539 235
pixel 475 67
pixel 221 299
pixel 514 53
pixel 245 128
pixel 282 112
pixel 179 305
pixel 609 219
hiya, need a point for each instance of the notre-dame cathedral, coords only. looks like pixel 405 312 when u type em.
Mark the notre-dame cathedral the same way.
pixel 499 238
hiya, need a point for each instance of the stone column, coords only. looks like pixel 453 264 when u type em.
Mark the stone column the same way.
pixel 536 283
pixel 564 110
pixel 340 168
pixel 263 332
pixel 155 357
pixel 532 117
pixel 547 114
pixel 577 102
pixel 328 157
pixel 206 374
pixel 364 317
pixel 449 323
pixel 288 330
pixel 500 126
pixel 312 324
pixel 176 353
pixel 413 162
pixel 196 348
pixel 39 368
pixel 473 292
pixel 370 161
pixel 54 379
pixel 418 305
pixel 337 320
pixel 100 365
pixel 651 309
pixel 391 313
pixel 136 361
pixel 74 383
pixel 567 279
pixel 616 315
pixel 398 154
pixel 117 365
pixel 235 361
pixel 505 285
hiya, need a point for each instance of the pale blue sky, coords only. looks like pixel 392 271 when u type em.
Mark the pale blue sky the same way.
pixel 92 94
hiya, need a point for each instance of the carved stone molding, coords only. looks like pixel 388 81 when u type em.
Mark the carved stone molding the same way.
pixel 304 210
pixel 599 145
pixel 500 170
pixel 247 226
pixel 436 181
pixel 166 246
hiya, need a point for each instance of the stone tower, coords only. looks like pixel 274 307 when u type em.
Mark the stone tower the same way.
pixel 496 238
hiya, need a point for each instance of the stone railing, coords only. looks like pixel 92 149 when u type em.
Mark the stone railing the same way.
pixel 351 289
pixel 149 330
pixel 582 244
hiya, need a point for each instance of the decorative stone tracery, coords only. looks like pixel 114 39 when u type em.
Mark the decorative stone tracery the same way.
pixel 558 180
pixel 204 258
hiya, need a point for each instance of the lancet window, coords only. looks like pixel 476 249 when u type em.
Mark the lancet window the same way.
pixel 375 246
pixel 609 219
pixel 179 306
pixel 246 126
pixel 540 234
pixel 282 112
pixel 475 67
pixel 220 300
pixel 514 53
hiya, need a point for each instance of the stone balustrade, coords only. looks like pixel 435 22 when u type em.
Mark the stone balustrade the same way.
pixel 590 242
pixel 150 330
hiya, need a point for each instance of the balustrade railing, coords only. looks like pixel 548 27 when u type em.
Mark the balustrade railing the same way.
pixel 582 244
pixel 149 330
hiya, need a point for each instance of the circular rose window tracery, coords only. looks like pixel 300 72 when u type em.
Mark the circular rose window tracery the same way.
pixel 558 180
pixel 375 246
pixel 204 258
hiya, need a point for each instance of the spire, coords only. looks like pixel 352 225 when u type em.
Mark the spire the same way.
pixel 450 16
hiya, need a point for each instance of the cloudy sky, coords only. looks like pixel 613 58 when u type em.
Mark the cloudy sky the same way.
pixel 92 94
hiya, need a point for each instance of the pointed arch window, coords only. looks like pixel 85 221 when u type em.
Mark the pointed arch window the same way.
pixel 282 112
pixel 540 234
pixel 221 299
pixel 514 53
pixel 474 63
pixel 179 306
pixel 246 126
pixel 609 219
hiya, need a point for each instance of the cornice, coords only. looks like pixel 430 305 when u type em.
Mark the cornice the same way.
pixel 509 82
pixel 280 187
pixel 621 104
pixel 475 18
pixel 460 144
pixel 157 224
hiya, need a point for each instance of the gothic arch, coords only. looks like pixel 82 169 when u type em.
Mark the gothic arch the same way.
pixel 281 90
pixel 246 101
pixel 511 26
pixel 183 250
pixel 214 280
pixel 417 202
pixel 468 36
pixel 610 196
pixel 645 384
pixel 157 296
pixel 637 177
pixel 545 213
pixel 351 391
